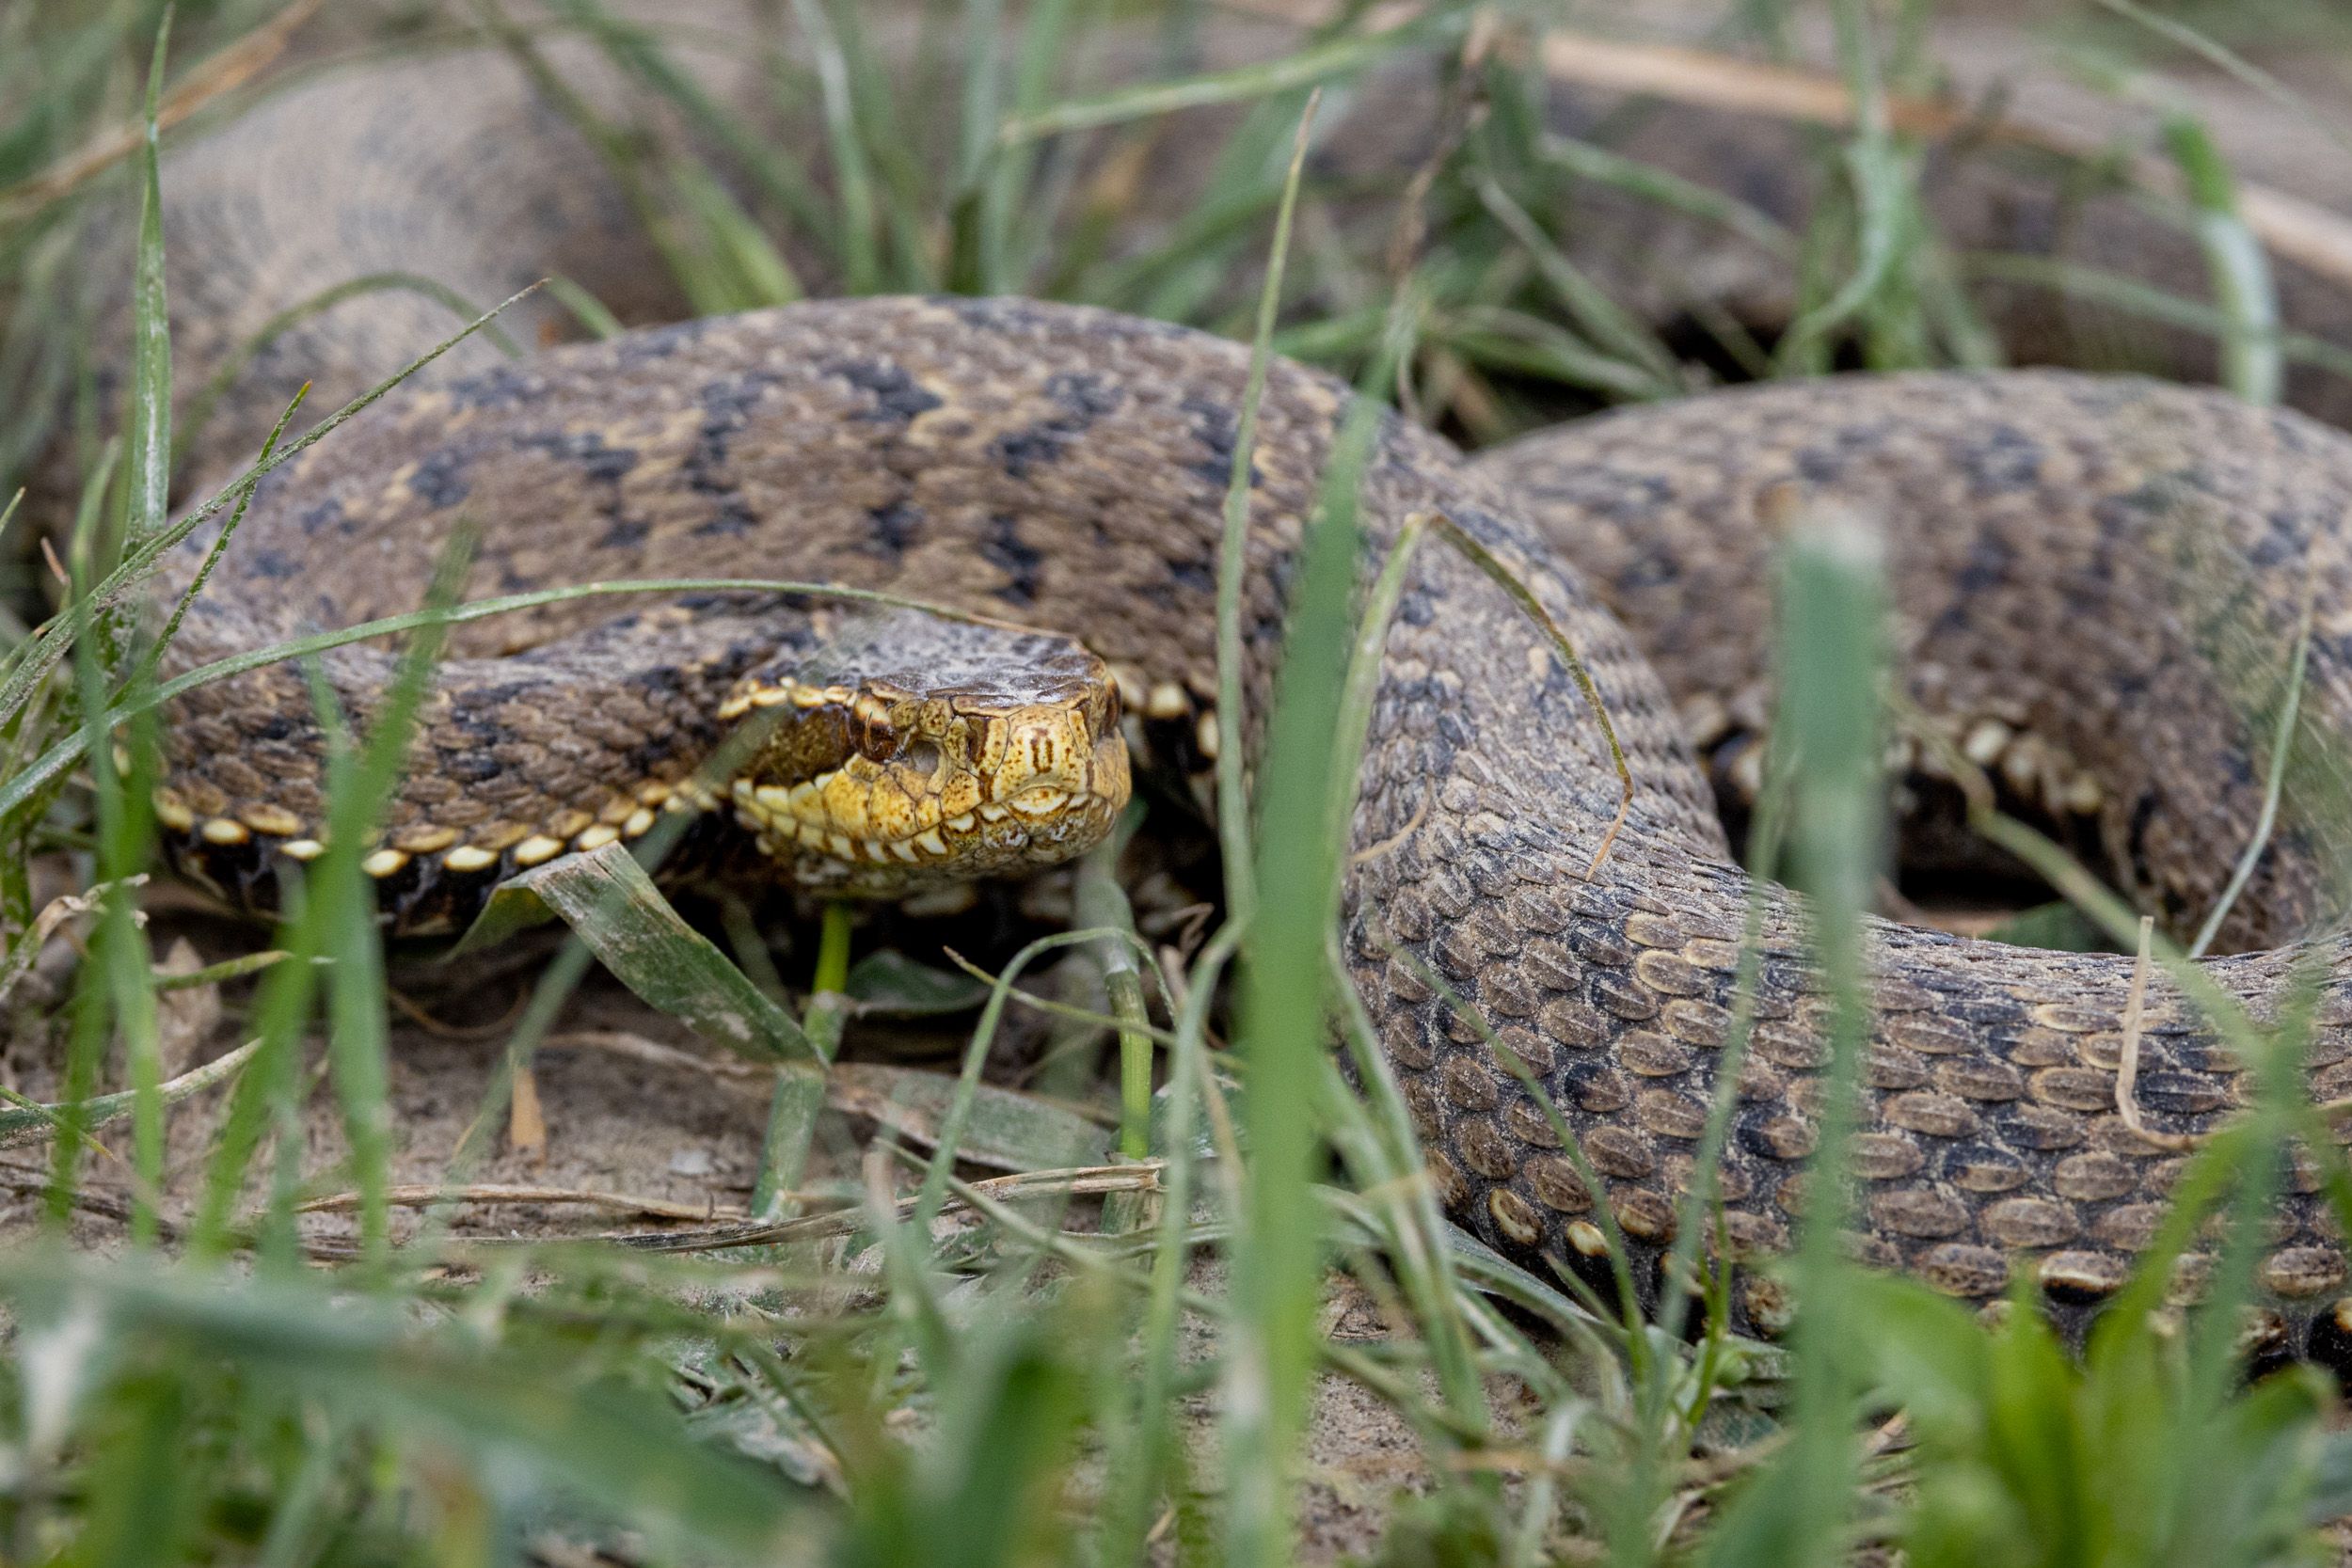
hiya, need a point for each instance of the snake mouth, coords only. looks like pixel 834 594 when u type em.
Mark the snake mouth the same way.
pixel 871 783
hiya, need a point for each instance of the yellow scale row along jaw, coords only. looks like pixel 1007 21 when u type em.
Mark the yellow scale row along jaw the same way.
pixel 626 815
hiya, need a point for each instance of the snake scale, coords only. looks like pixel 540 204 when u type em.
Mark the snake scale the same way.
pixel 2096 580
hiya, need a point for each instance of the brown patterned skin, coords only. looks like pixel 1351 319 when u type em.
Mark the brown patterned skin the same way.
pixel 2111 569
pixel 2069 555
pixel 1053 463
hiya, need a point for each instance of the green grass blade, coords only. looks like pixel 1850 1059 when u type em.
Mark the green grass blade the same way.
pixel 1233 562
pixel 1587 303
pixel 2235 262
pixel 1832 612
pixel 639 50
pixel 2274 786
pixel 233 364
pixel 859 254
pixel 151 329
pixel 960 1107
pixel 516 1420
pixel 1045 41
pixel 1101 903
pixel 2117 292
pixel 1284 1009
pixel 29 1120
pixel 1307 67
pixel 605 895
pixel 800 1091
pixel 1886 207
pixel 342 900
pixel 54 640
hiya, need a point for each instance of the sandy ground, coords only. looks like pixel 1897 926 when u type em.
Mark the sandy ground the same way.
pixel 634 1107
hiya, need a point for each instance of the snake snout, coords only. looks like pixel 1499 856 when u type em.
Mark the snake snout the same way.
pixel 1049 757
pixel 917 752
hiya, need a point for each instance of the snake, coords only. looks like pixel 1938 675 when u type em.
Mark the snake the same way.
pixel 2095 585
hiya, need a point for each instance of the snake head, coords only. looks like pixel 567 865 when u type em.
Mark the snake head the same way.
pixel 912 751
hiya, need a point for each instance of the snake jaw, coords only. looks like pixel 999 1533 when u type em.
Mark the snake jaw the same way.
pixel 864 785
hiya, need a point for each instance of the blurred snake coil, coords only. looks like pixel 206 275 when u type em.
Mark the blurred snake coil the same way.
pixel 2097 581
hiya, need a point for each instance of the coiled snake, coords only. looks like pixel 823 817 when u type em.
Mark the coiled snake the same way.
pixel 2097 581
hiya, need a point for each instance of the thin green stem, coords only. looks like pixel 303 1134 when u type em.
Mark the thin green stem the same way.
pixel 1233 562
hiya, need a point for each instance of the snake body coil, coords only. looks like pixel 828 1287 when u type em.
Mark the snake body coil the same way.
pixel 2097 581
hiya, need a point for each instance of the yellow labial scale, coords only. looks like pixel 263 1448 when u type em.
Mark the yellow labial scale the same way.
pixel 172 812
pixel 841 846
pixel 424 840
pixel 537 849
pixel 810 835
pixel 384 863
pixel 469 858
pixel 931 843
pixel 640 823
pixel 277 821
pixel 224 830
pixel 654 793
pixel 302 849
pixel 845 803
pixel 991 812
pixel 962 822
pixel 570 824
pixel 616 811
pixel 596 837
pixel 892 813
pixel 961 798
